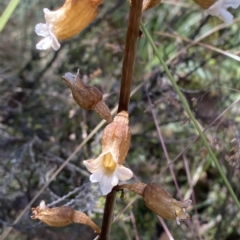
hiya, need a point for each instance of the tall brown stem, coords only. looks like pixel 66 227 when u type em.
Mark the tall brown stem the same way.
pixel 126 83
pixel 130 52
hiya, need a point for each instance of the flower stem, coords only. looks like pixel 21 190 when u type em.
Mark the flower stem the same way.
pixel 125 90
pixel 190 114
pixel 129 54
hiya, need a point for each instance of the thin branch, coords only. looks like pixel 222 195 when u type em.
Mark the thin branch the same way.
pixel 208 46
pixel 208 33
pixel 160 136
pixel 136 235
pixel 190 182
pixel 165 228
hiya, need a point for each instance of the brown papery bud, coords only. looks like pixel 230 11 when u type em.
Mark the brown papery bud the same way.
pixel 117 137
pixel 87 97
pixel 205 3
pixel 147 4
pixel 62 216
pixel 159 200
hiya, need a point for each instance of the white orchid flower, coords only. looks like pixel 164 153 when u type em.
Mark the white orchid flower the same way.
pixel 219 8
pixel 107 172
pixel 49 40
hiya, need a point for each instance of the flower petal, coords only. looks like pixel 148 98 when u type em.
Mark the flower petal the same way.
pixel 184 204
pixel 114 180
pixel 51 16
pixel 44 44
pixel 231 3
pixel 219 8
pixel 46 10
pixel 41 29
pixel 177 220
pixel 71 78
pixel 97 176
pixel 93 165
pixel 55 44
pixel 226 15
pixel 123 173
pixel 42 205
pixel 214 10
pixel 107 182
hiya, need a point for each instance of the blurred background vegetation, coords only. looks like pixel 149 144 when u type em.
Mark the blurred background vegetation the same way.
pixel 41 125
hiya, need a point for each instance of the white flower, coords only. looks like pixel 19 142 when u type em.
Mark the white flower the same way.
pixel 49 39
pixel 66 22
pixel 219 8
pixel 45 30
pixel 107 171
pixel 107 168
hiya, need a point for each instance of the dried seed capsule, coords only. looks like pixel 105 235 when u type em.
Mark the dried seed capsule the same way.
pixel 88 98
pixel 159 200
pixel 163 204
pixel 205 3
pixel 61 216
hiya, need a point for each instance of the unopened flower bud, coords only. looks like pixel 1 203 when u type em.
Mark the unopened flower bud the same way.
pixel 61 216
pixel 159 200
pixel 87 97
pixel 205 3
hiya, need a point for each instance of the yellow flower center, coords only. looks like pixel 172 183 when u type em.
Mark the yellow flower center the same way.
pixel 178 212
pixel 108 162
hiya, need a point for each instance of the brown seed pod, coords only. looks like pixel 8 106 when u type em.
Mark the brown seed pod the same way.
pixel 61 216
pixel 159 200
pixel 205 3
pixel 163 204
pixel 87 97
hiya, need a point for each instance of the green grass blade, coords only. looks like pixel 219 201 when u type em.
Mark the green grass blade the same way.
pixel 8 13
pixel 190 114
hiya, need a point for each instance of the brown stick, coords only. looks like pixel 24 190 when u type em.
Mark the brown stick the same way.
pixel 127 72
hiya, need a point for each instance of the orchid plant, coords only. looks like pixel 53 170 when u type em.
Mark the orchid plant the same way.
pixel 107 169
